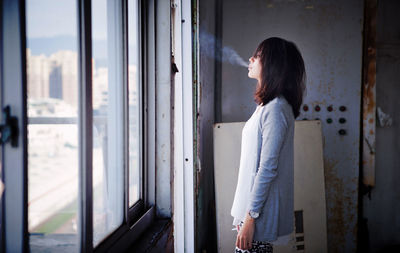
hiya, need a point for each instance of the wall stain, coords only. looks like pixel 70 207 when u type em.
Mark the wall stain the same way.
pixel 340 206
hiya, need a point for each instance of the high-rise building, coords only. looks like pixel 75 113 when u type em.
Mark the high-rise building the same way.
pixel 68 63
pixel 38 72
pixel 55 81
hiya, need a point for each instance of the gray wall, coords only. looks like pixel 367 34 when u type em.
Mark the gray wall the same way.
pixel 206 237
pixel 328 34
pixel 383 209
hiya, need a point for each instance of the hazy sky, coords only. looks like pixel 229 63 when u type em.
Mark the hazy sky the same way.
pixel 52 18
pixel 49 18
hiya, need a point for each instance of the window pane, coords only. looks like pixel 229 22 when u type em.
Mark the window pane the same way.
pixel 134 105
pixel 108 133
pixel 52 83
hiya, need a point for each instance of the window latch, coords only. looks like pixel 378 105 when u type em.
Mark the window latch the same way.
pixel 9 130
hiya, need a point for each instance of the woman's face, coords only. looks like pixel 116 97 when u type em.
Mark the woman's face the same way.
pixel 255 68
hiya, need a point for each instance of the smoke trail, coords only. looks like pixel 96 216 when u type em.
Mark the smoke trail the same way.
pixel 228 54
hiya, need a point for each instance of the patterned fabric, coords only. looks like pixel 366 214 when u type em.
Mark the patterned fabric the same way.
pixel 257 246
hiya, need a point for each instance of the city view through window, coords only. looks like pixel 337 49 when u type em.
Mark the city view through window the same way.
pixel 52 93
pixel 53 151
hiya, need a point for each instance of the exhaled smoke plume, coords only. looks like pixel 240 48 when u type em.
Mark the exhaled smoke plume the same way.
pixel 227 54
pixel 230 55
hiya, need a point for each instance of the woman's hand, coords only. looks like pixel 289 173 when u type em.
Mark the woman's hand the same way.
pixel 244 238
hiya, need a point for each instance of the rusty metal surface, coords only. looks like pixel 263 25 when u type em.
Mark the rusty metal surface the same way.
pixel 369 94
pixel 329 36
pixel 381 207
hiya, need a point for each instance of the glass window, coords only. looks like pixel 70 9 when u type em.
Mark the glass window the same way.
pixel 135 176
pixel 52 93
pixel 108 118
pixel 53 144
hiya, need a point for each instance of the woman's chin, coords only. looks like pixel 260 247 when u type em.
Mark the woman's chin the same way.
pixel 251 76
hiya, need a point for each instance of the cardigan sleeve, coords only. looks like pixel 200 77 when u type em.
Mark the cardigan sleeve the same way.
pixel 273 128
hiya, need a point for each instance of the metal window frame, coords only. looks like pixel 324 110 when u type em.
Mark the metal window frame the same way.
pixel 14 203
pixel 15 196
pixel 135 211
pixel 85 125
pixel 136 218
pixel 149 120
pixel 141 215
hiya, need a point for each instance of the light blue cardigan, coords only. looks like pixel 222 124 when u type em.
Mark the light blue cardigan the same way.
pixel 272 193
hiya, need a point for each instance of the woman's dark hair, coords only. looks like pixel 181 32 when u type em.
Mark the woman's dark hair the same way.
pixel 283 73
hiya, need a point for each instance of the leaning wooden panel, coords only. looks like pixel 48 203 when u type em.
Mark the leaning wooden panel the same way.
pixel 310 208
pixel 227 143
pixel 309 184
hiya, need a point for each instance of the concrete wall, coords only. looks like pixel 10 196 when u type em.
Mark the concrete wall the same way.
pixel 235 91
pixel 382 209
pixel 230 99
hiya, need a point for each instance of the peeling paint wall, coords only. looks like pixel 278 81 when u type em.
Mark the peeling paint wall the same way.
pixel 367 171
pixel 382 206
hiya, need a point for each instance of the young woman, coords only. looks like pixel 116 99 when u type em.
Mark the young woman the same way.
pixel 263 204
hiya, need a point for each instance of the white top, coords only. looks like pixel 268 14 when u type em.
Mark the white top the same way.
pixel 248 166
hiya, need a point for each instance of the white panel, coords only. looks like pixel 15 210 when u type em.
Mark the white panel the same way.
pixel 187 104
pixel 308 183
pixel 183 216
pixel 163 109
pixel 178 212
pixel 227 142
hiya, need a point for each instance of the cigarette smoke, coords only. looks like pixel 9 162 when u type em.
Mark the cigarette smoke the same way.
pixel 228 54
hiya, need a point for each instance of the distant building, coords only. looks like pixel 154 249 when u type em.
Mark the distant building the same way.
pixel 68 62
pixel 38 72
pixel 55 81
pixel 55 76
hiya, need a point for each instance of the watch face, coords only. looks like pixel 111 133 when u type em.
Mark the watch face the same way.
pixel 253 214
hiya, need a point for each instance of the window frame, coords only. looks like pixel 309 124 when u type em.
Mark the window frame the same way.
pixel 14 229
pixel 134 211
pixel 85 122
pixel 137 218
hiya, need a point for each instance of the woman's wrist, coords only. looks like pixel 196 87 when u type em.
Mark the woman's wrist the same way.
pixel 249 218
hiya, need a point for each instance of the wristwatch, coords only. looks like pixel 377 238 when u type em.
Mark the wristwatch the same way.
pixel 253 214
